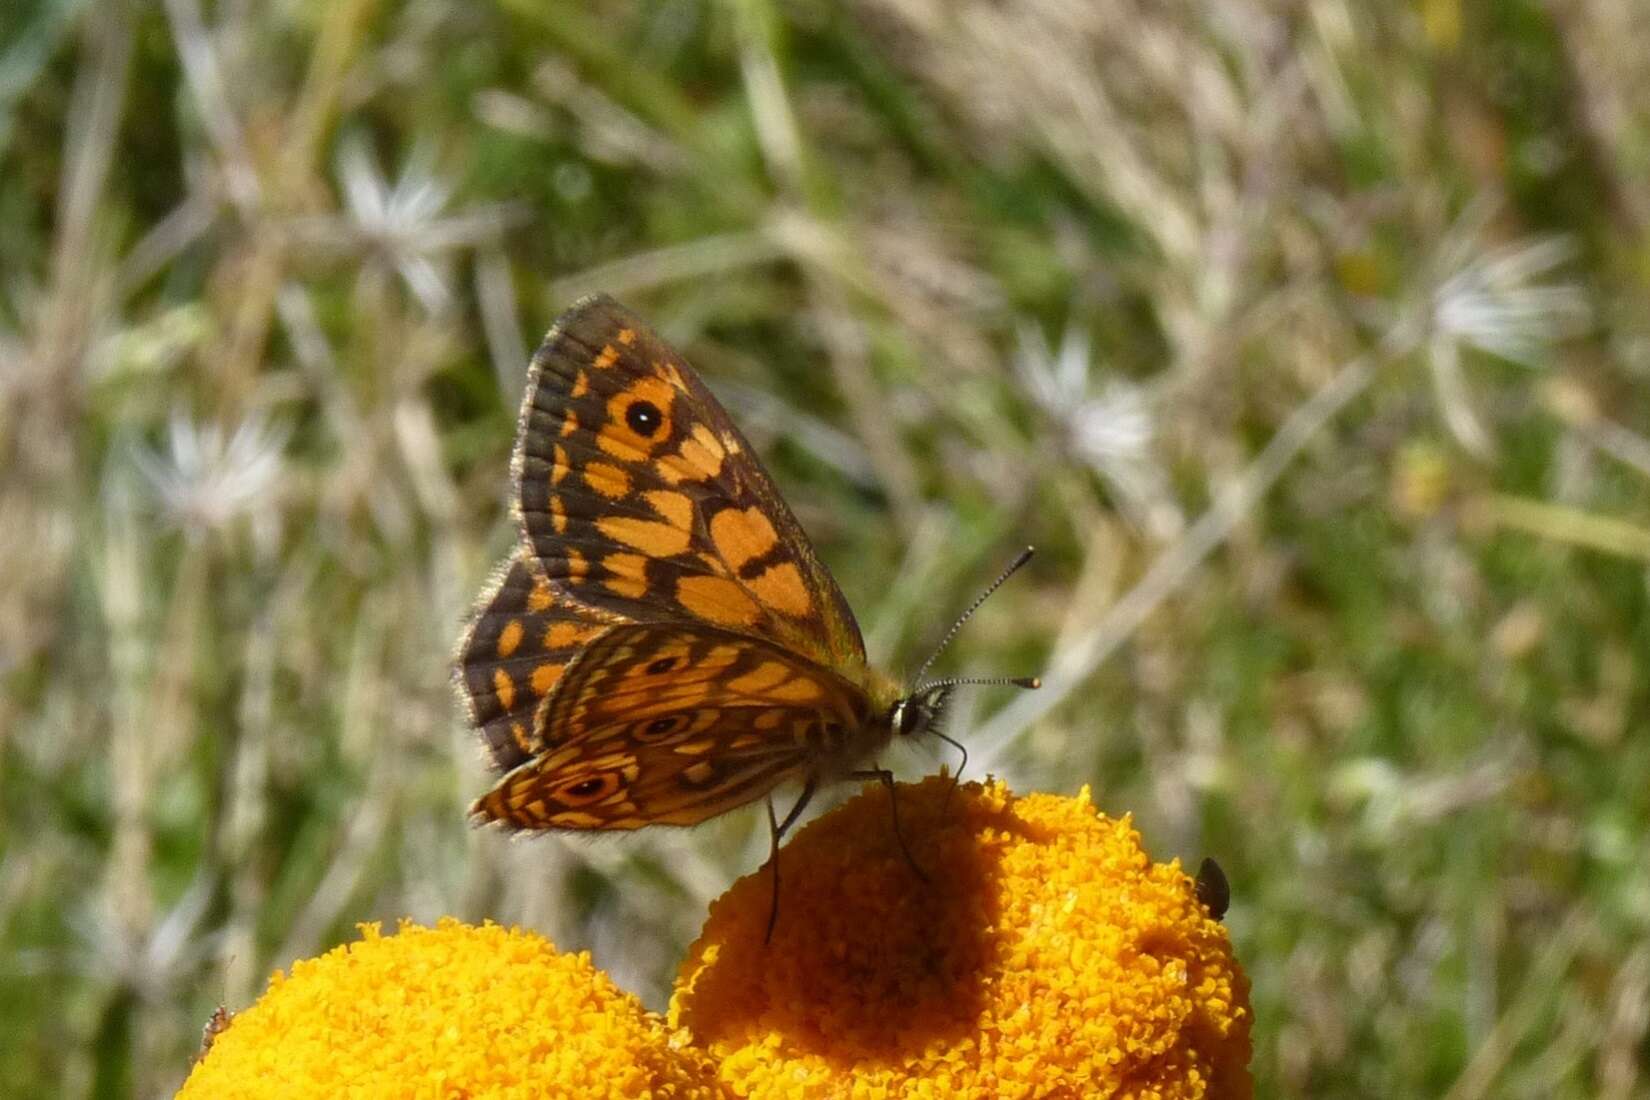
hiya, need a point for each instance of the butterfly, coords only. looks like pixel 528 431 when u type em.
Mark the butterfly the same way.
pixel 664 645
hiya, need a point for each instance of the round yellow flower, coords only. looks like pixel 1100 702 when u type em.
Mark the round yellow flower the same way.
pixel 445 1012
pixel 1045 955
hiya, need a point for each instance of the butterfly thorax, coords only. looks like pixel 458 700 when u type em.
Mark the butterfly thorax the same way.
pixel 884 711
pixel 875 697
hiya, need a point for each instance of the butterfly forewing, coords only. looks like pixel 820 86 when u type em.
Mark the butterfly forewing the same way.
pixel 516 651
pixel 673 724
pixel 639 496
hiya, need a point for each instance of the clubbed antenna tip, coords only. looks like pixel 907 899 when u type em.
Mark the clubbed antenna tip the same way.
pixel 1013 567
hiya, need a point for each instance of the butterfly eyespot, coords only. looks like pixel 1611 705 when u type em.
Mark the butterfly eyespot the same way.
pixel 644 418
pixel 661 728
pixel 583 791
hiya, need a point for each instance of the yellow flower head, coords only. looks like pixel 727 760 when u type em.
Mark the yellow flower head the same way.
pixel 441 1012
pixel 1046 955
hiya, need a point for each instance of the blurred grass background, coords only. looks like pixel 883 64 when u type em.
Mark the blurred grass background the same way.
pixel 1307 340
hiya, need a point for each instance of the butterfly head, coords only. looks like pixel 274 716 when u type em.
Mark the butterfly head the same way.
pixel 920 712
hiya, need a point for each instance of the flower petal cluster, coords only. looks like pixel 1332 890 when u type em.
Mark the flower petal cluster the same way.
pixel 1039 953
pixel 453 1010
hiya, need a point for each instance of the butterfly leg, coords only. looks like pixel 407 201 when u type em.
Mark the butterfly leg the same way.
pixel 956 776
pixel 773 864
pixel 776 832
pixel 886 778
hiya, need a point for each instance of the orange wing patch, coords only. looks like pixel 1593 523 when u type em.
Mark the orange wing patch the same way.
pixel 766 675
pixel 577 568
pixel 566 635
pixel 780 587
pixel 676 508
pixel 651 537
pixel 716 600
pixel 797 690
pixel 607 479
pixel 742 535
pixel 545 677
pixel 504 687
pixel 699 458
pixel 539 596
pixel 744 538
pixel 626 574
pixel 510 637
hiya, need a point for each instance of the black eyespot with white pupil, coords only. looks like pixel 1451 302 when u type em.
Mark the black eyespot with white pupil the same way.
pixel 585 791
pixel 644 418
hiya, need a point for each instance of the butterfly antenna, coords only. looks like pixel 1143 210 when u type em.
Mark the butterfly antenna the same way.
pixel 1013 567
pixel 1016 681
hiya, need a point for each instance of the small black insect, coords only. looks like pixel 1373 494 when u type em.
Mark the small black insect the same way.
pixel 1212 888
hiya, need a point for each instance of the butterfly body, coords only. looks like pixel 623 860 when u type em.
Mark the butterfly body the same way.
pixel 664 645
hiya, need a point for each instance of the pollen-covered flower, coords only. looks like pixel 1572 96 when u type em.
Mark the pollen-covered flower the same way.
pixel 453 1010
pixel 1044 955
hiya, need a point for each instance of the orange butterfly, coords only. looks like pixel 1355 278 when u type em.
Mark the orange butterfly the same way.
pixel 665 645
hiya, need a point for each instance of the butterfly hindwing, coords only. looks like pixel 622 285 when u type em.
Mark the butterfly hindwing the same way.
pixel 616 782
pixel 515 652
pixel 674 724
pixel 638 495
pixel 641 670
